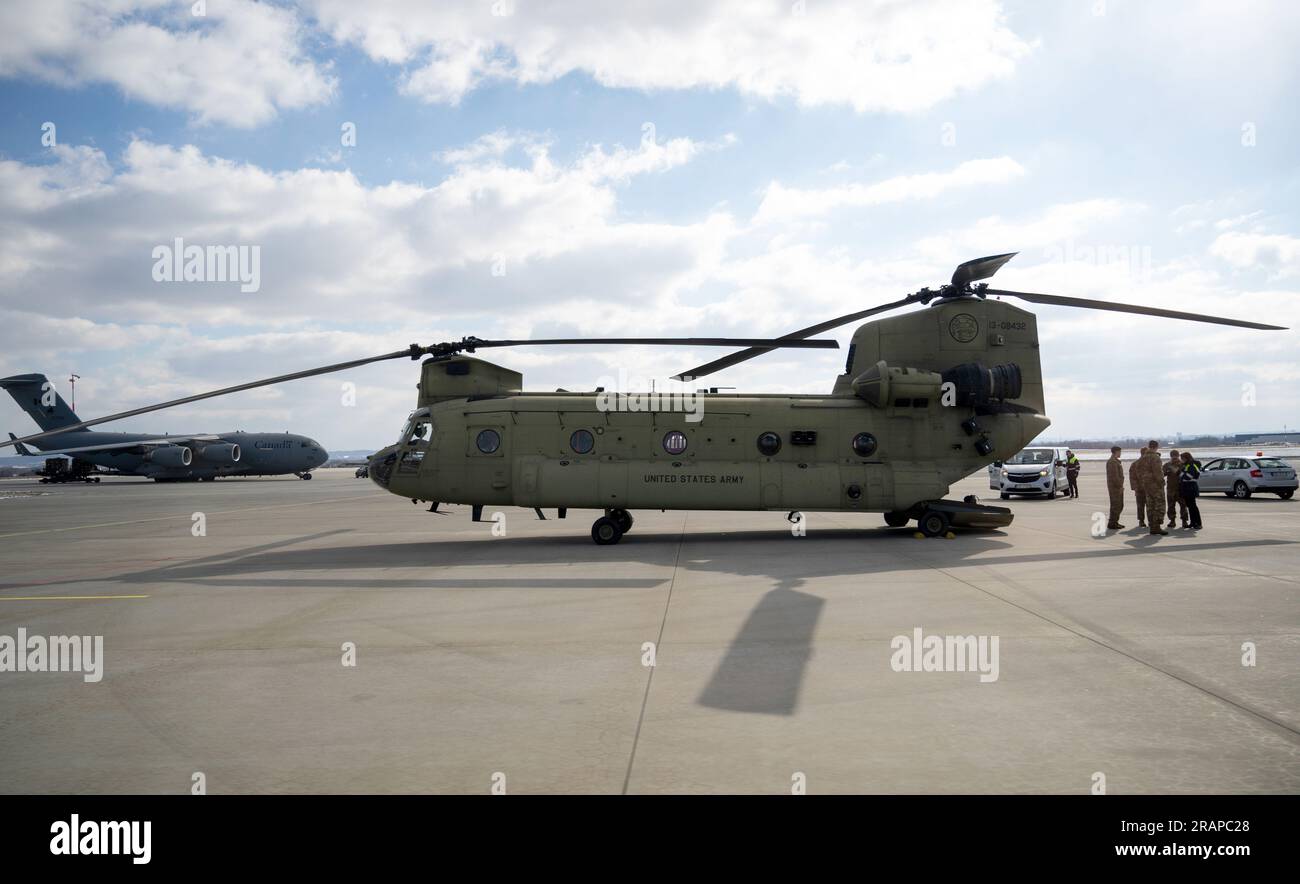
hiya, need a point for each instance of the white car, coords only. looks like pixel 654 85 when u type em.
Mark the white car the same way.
pixel 1031 471
pixel 1241 477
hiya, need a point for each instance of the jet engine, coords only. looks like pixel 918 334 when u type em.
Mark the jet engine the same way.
pixel 219 452
pixel 170 456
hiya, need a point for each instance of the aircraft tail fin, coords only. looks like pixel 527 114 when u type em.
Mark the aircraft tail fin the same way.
pixel 36 395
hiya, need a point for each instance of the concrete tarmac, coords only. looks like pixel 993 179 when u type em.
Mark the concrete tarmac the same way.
pixel 520 659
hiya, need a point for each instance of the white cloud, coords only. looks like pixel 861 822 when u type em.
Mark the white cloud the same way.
pixel 1276 252
pixel 240 64
pixel 878 56
pixel 785 203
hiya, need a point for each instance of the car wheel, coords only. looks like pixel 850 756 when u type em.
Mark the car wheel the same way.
pixel 933 523
pixel 1240 490
pixel 1285 495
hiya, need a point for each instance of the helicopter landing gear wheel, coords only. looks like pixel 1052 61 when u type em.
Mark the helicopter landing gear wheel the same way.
pixel 623 518
pixel 933 523
pixel 605 531
pixel 895 519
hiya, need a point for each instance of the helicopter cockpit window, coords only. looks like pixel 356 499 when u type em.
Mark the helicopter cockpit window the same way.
pixel 417 428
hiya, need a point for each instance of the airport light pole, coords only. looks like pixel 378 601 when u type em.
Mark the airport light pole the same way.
pixel 72 382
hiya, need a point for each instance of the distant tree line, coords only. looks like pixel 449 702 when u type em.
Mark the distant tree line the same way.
pixel 1138 442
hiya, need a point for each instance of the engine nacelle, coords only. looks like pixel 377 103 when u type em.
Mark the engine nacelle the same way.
pixel 973 384
pixel 218 452
pixel 882 384
pixel 170 456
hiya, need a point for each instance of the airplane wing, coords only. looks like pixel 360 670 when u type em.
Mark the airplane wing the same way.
pixel 118 446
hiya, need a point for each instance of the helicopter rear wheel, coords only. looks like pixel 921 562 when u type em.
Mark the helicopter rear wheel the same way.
pixel 933 523
pixel 623 518
pixel 895 519
pixel 605 531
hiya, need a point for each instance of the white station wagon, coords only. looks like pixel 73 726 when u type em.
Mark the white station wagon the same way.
pixel 1241 477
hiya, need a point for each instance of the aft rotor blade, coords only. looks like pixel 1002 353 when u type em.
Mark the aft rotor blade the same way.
pixel 1059 301
pixel 758 350
pixel 980 268
pixel 768 343
pixel 265 382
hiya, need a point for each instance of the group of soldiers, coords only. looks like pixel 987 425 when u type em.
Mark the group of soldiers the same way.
pixel 1164 489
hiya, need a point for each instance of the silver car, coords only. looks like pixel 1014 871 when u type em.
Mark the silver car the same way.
pixel 1241 477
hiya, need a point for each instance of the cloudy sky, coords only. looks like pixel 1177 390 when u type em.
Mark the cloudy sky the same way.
pixel 414 171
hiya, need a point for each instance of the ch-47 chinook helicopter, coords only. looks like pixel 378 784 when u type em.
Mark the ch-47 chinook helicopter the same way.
pixel 926 398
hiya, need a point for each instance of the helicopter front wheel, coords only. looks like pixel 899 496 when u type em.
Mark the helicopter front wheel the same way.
pixel 606 531
pixel 623 518
pixel 895 519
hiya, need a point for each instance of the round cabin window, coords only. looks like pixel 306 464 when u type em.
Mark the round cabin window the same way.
pixel 582 441
pixel 488 441
pixel 675 442
pixel 864 445
pixel 768 443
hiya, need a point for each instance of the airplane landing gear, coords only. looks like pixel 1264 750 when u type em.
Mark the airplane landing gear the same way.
pixel 303 475
pixel 605 531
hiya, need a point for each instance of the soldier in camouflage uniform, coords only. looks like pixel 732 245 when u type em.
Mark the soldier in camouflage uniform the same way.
pixel 1174 503
pixel 1151 473
pixel 1115 486
pixel 1139 489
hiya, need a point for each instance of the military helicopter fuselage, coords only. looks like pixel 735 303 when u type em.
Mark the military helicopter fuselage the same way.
pixel 926 399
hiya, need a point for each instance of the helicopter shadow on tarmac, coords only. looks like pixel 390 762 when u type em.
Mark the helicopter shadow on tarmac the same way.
pixel 762 669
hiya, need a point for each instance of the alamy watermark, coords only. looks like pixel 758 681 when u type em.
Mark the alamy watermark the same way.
pixel 1134 261
pixel 181 263
pixel 946 653
pixel 675 396
pixel 55 653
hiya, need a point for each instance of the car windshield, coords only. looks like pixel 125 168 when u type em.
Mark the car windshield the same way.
pixel 1035 456
pixel 1270 463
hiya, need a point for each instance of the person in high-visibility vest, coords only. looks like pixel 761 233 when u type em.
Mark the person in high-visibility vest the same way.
pixel 1072 466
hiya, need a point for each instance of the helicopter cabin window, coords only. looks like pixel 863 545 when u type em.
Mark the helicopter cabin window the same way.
pixel 768 443
pixel 488 441
pixel 675 442
pixel 864 445
pixel 582 442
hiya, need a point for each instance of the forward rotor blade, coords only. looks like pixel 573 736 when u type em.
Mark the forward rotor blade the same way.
pixel 1059 301
pixel 745 355
pixel 414 352
pixel 980 268
pixel 767 343
pixel 266 382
